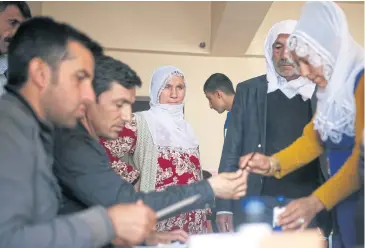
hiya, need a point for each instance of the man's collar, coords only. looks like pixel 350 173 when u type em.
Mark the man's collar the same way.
pixel 45 126
pixel 3 63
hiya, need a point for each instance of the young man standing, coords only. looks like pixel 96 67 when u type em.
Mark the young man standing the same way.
pixel 220 93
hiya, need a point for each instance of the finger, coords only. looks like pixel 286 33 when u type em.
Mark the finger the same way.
pixel 291 208
pixel 256 164
pixel 230 225
pixel 295 225
pixel 294 217
pixel 164 240
pixel 238 195
pixel 179 237
pixel 181 233
pixel 304 226
pixel 232 175
pixel 256 170
pixel 239 192
pixel 237 184
pixel 244 159
pixel 241 188
pixel 139 203
pixel 258 157
pixel 223 228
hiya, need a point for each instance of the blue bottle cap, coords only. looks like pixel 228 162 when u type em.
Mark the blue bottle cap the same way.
pixel 253 205
pixel 280 198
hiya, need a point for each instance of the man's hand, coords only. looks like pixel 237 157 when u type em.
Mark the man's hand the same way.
pixel 256 163
pixel 167 237
pixel 133 223
pixel 229 185
pixel 224 222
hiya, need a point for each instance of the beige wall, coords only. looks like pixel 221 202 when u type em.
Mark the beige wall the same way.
pixel 147 35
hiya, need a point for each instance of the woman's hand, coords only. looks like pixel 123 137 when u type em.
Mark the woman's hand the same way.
pixel 299 213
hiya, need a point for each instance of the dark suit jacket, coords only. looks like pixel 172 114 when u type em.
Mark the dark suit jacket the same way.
pixel 247 133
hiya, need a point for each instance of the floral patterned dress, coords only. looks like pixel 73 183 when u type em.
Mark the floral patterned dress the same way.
pixel 174 168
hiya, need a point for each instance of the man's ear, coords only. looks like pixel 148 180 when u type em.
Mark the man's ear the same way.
pixel 219 94
pixel 39 72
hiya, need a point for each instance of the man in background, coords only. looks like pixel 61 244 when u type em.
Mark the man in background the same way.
pixel 12 14
pixel 220 93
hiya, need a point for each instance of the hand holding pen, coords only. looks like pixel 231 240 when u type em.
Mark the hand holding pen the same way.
pixel 260 164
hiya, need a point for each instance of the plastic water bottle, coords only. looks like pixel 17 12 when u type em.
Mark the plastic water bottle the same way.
pixel 253 209
pixel 277 211
pixel 254 227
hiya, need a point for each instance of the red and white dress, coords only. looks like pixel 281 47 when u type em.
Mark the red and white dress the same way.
pixel 175 166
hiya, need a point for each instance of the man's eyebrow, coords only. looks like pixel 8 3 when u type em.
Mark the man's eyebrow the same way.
pixel 122 100
pixel 68 56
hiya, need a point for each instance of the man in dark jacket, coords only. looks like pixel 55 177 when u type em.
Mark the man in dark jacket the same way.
pixel 269 113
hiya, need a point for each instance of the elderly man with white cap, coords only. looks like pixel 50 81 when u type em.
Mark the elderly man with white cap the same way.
pixel 269 113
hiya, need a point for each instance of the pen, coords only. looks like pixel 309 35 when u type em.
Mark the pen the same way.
pixel 251 157
pixel 176 206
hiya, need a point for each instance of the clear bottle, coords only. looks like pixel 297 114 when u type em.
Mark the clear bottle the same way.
pixel 277 211
pixel 254 227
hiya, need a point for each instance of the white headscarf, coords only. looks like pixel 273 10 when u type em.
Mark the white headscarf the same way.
pixel 301 86
pixel 322 33
pixel 166 121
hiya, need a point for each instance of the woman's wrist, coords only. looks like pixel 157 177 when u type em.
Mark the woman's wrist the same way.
pixel 274 166
pixel 316 203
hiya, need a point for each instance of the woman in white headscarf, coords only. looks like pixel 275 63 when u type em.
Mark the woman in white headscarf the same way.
pixel 162 147
pixel 327 54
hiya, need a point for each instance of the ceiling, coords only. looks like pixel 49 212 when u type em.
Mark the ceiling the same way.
pixel 239 28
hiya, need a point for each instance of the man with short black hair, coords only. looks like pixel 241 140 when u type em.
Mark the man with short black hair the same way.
pixel 51 67
pixel 220 93
pixel 12 14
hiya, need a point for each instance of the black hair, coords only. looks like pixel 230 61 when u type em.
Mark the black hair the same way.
pixel 109 70
pixel 21 5
pixel 44 38
pixel 218 81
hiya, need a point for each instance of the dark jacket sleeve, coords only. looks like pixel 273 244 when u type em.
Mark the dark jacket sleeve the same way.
pixel 83 168
pixel 232 147
pixel 19 225
pixel 360 204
